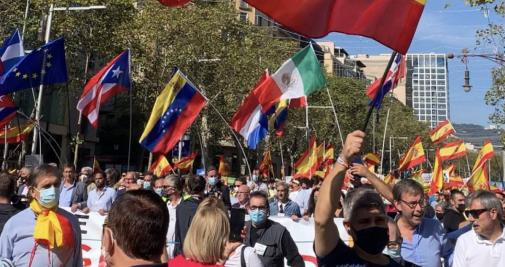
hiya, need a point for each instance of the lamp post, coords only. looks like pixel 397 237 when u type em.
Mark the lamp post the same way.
pixel 36 132
pixel 465 54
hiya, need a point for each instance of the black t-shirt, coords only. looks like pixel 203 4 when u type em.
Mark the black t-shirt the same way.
pixel 342 255
pixel 452 219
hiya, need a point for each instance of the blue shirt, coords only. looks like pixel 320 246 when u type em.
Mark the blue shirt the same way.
pixel 428 245
pixel 17 243
pixel 66 195
pixel 101 199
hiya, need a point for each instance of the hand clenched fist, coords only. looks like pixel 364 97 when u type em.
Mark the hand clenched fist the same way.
pixel 352 146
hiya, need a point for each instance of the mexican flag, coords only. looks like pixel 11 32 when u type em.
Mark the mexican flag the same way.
pixel 299 76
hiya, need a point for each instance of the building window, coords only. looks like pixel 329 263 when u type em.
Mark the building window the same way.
pixel 440 61
pixel 243 16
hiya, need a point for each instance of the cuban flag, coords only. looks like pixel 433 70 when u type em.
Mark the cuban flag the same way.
pixel 11 52
pixel 7 110
pixel 112 79
pixel 395 73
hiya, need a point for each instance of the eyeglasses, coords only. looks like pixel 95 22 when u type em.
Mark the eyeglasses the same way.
pixel 413 205
pixel 247 193
pixel 475 213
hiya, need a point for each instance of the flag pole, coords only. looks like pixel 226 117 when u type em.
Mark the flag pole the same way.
pixel 282 158
pixel 233 133
pixel 130 131
pixel 336 117
pixel 383 79
pixel 384 143
pixel 6 148
pixel 36 134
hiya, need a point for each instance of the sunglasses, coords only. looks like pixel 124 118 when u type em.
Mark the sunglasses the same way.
pixel 475 213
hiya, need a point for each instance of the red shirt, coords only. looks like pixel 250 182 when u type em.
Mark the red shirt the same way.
pixel 183 262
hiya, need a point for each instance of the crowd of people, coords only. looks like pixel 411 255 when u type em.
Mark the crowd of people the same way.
pixel 188 220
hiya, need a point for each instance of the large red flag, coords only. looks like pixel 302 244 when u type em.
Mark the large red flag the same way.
pixel 390 22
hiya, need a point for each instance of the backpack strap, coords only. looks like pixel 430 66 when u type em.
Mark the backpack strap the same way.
pixel 242 258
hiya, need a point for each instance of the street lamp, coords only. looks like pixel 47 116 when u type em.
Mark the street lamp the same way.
pixel 495 58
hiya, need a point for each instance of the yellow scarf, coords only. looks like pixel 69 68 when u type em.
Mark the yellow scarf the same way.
pixel 51 229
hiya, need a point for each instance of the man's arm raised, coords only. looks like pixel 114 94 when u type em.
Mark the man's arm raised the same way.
pixel 326 232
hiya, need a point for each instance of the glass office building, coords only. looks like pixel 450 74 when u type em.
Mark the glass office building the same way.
pixel 427 87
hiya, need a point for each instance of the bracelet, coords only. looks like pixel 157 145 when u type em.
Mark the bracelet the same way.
pixel 342 162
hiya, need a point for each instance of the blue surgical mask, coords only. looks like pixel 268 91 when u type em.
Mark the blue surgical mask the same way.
pixel 212 180
pixel 48 197
pixel 159 191
pixel 258 216
pixel 147 185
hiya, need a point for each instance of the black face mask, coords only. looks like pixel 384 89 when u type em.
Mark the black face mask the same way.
pixel 439 215
pixel 461 207
pixel 372 240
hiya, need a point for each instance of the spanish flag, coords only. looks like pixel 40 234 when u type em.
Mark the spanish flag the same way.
pixel 161 167
pixel 480 177
pixel 174 111
pixel 413 157
pixel 453 150
pixel 390 179
pixel 329 155
pixel 222 170
pixel 16 134
pixel 441 131
pixel 390 22
pixel 372 159
pixel 186 163
pixel 265 164
pixel 307 164
pixel 437 176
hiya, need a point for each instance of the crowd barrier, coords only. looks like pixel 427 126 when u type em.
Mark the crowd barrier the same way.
pixel 302 233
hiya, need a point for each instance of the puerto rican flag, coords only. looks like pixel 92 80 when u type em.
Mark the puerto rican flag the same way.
pixel 395 73
pixel 112 79
pixel 11 52
pixel 7 110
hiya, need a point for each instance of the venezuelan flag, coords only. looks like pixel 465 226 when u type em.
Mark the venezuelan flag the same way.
pixel 174 111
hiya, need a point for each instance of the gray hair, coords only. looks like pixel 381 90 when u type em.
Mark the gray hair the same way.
pixel 88 170
pixel 488 200
pixel 361 198
pixel 284 184
pixel 407 186
pixel 174 181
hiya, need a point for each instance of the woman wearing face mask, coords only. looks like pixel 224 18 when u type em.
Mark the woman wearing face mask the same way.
pixel 42 234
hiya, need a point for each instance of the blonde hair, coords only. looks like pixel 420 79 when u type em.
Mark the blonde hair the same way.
pixel 207 235
pixel 213 202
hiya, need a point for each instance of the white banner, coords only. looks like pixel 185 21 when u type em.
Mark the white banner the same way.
pixel 302 233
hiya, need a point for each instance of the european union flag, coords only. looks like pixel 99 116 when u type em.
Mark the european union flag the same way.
pixel 44 65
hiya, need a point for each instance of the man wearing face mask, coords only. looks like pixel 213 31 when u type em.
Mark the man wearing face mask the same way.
pixel 148 180
pixel 124 243
pixel 364 218
pixel 216 188
pixel 256 183
pixel 270 240
pixel 454 214
pixel 43 234
pixel 173 190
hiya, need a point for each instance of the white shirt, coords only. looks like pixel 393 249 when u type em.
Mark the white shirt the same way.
pixel 301 198
pixel 251 259
pixel 472 250
pixel 171 227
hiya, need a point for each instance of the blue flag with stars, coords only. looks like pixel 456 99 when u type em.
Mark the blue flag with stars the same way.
pixel 44 65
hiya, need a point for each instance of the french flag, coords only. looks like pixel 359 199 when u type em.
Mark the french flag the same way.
pixel 11 52
pixel 251 119
pixel 112 79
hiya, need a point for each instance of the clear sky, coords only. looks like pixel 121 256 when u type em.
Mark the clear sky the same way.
pixel 447 26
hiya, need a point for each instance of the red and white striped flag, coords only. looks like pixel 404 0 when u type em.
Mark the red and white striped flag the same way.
pixel 112 79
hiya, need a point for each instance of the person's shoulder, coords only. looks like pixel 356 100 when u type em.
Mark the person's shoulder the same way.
pixel 292 203
pixel 431 223
pixel 20 218
pixel 469 236
pixel 71 217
